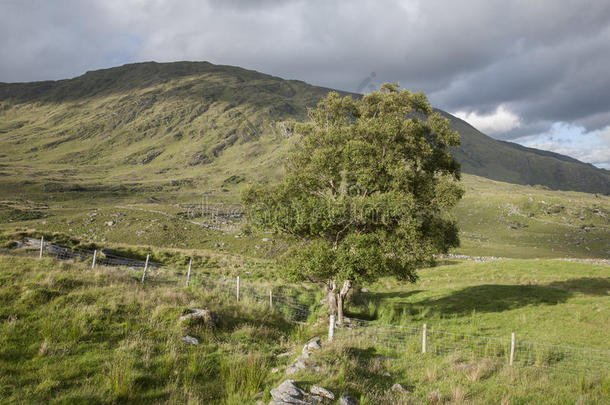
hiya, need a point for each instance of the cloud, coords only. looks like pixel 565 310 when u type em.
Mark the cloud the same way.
pixel 575 141
pixel 543 61
pixel 499 121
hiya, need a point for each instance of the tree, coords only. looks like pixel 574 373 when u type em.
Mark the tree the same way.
pixel 366 193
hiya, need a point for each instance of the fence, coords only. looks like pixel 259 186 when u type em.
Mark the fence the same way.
pixel 513 351
pixel 361 332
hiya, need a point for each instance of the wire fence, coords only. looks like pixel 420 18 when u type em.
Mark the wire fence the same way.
pixel 410 339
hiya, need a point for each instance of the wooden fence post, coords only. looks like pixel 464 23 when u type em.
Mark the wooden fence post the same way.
pixel 237 288
pixel 270 299
pixel 512 348
pixel 188 274
pixel 145 268
pixel 94 257
pixel 41 246
pixel 423 339
pixel 331 328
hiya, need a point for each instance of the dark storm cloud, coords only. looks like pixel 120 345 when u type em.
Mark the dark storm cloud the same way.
pixel 531 63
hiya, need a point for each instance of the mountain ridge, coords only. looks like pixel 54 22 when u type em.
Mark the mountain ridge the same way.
pixel 151 114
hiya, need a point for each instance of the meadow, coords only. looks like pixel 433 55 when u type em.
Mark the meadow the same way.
pixel 75 335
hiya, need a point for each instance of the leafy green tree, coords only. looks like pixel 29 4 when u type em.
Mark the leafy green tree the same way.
pixel 366 192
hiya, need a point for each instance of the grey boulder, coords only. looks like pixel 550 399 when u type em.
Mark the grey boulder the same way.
pixel 347 400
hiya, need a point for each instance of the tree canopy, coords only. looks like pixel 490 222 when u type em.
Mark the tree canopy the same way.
pixel 367 189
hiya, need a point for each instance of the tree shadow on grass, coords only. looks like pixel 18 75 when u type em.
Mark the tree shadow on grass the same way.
pixel 494 298
pixel 499 298
pixel 599 286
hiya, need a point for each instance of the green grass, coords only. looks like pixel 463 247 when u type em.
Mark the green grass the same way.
pixel 495 219
pixel 507 220
pixel 69 334
pixel 547 301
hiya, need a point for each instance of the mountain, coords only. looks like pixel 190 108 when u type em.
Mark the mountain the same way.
pixel 204 124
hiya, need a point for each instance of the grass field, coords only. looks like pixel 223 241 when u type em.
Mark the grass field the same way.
pixel 495 219
pixel 73 335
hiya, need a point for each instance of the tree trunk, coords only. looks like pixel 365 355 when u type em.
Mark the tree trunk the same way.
pixel 347 285
pixel 332 298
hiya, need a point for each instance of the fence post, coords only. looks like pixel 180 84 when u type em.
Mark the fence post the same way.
pixel 512 348
pixel 331 328
pixel 41 246
pixel 237 288
pixel 188 274
pixel 145 268
pixel 423 338
pixel 94 257
pixel 270 299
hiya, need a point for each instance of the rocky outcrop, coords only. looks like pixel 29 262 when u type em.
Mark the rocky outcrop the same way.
pixel 289 393
pixel 300 362
pixel 200 316
pixel 322 392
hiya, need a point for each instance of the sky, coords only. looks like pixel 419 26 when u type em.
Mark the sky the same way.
pixel 534 72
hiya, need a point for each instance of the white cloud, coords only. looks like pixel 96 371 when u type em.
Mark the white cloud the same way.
pixel 501 120
pixel 573 140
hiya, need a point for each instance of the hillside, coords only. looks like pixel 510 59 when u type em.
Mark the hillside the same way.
pixel 152 123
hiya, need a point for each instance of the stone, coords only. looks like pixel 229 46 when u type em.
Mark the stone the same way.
pixel 398 388
pixel 286 354
pixel 109 223
pixel 364 290
pixel 287 390
pixel 297 366
pixel 323 392
pixel 191 340
pixel 347 400
pixel 314 343
pixel 311 345
pixel 201 316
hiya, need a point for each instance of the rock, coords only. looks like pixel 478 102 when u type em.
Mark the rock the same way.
pixel 191 340
pixel 274 370
pixel 323 392
pixel 386 374
pixel 204 316
pixel 286 354
pixel 288 390
pixel 259 395
pixel 398 388
pixel 265 239
pixel 314 343
pixel 347 400
pixel 364 290
pixel 298 365
pixel 109 223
